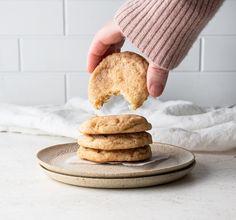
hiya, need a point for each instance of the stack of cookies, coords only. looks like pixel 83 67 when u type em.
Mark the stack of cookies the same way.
pixel 115 138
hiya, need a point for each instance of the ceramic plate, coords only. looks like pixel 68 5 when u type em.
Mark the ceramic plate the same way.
pixel 133 182
pixel 59 159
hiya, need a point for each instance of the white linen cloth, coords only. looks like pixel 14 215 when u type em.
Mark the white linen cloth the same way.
pixel 179 123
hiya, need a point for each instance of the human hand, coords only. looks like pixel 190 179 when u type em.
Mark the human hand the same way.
pixel 156 79
pixel 109 40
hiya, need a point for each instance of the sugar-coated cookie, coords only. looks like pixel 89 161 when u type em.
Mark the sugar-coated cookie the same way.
pixel 115 141
pixel 115 124
pixel 119 74
pixel 103 156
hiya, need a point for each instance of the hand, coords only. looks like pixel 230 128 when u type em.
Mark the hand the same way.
pixel 109 40
pixel 156 79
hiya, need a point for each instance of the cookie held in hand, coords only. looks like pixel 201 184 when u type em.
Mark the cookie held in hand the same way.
pixel 119 74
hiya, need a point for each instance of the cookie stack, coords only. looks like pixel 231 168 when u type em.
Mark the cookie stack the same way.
pixel 115 138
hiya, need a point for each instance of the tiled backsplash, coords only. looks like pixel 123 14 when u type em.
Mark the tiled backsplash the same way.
pixel 44 43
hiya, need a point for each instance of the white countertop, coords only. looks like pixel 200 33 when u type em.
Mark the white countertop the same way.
pixel 209 192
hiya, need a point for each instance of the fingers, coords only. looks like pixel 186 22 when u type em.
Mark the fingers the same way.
pixel 113 49
pixel 109 39
pixel 96 52
pixel 156 80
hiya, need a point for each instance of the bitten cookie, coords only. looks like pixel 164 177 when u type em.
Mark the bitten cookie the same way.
pixel 103 156
pixel 115 124
pixel 115 141
pixel 119 74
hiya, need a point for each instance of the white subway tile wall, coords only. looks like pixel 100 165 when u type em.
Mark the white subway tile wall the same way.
pixel 54 54
pixel 220 53
pixel 9 56
pixel 208 88
pixel 32 88
pixel 44 44
pixel 31 17
pixel 72 82
pixel 85 17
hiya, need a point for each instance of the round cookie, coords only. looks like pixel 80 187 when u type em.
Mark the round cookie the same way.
pixel 119 74
pixel 103 156
pixel 115 141
pixel 115 124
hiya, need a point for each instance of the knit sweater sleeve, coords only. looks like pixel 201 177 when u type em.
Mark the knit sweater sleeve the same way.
pixel 164 30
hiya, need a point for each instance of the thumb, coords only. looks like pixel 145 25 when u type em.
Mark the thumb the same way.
pixel 156 80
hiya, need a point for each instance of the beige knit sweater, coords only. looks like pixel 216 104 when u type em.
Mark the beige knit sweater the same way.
pixel 164 30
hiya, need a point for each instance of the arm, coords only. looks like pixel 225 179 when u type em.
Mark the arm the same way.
pixel 164 30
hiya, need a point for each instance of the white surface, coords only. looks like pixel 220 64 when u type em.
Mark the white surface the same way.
pixel 54 36
pixel 31 17
pixel 82 14
pixel 208 86
pixel 220 54
pixel 224 22
pixel 77 84
pixel 8 55
pixel 55 54
pixel 27 193
pixel 26 88
pixel 176 122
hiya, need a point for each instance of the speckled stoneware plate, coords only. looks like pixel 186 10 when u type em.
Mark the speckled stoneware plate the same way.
pixel 59 158
pixel 133 182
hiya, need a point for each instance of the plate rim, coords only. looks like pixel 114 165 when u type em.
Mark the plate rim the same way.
pixel 64 171
pixel 193 164
pixel 133 182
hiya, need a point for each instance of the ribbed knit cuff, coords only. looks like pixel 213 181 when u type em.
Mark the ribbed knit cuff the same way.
pixel 164 30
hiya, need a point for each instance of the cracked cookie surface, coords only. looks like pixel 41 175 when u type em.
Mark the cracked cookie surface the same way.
pixel 115 124
pixel 119 74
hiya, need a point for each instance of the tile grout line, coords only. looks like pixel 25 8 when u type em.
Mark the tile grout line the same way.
pixel 64 14
pixel 6 36
pixel 65 88
pixel 19 54
pixel 45 72
pixel 201 61
pixel 46 36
